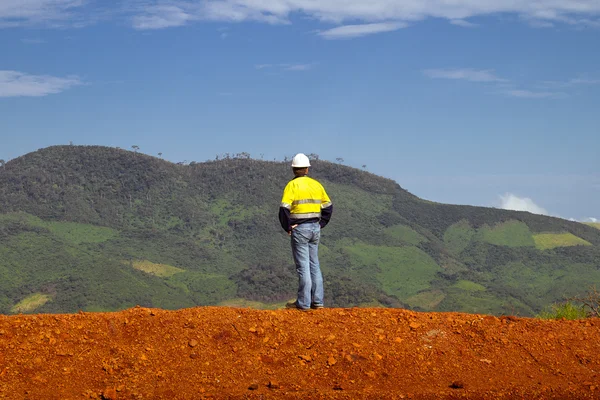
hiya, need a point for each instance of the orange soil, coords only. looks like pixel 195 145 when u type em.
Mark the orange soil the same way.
pixel 213 352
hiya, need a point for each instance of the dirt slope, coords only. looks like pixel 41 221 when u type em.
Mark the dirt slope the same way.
pixel 216 352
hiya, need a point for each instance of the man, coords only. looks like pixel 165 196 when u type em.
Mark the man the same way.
pixel 305 209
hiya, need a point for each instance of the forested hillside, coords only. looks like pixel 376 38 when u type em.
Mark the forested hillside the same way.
pixel 98 228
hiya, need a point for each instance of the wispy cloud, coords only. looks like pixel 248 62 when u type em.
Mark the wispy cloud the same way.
pixel 19 84
pixel 54 13
pixel 513 202
pixel 353 18
pixel 286 67
pixel 529 94
pixel 570 83
pixel 506 87
pixel 467 74
pixel 353 31
pixel 463 23
pixel 159 17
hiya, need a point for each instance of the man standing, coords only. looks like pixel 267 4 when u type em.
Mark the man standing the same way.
pixel 305 209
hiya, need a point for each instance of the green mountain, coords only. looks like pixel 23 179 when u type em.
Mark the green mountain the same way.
pixel 95 228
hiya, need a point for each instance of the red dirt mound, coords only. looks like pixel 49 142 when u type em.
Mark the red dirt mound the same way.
pixel 214 352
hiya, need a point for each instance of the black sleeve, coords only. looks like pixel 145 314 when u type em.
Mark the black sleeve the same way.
pixel 326 215
pixel 284 219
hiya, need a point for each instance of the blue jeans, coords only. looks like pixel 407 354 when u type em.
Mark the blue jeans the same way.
pixel 305 248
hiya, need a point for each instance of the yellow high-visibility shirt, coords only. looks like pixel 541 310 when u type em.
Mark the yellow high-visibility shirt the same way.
pixel 304 197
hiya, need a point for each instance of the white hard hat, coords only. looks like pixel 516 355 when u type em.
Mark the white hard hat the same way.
pixel 300 161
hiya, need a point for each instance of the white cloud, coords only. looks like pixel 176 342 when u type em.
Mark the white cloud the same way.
pixel 286 67
pixel 297 67
pixel 592 219
pixel 360 12
pixel 528 94
pixel 463 23
pixel 467 74
pixel 160 17
pixel 547 89
pixel 354 17
pixel 18 84
pixel 14 13
pixel 353 31
pixel 512 202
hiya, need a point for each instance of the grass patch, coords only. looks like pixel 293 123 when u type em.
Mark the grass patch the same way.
pixel 426 300
pixel 469 286
pixel 545 241
pixel 594 224
pixel 161 270
pixel 226 211
pixel 402 271
pixel 510 233
pixel 71 232
pixel 567 310
pixel 81 233
pixel 404 234
pixel 458 236
pixel 30 303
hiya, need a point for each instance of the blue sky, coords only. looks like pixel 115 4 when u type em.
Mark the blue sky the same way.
pixel 484 102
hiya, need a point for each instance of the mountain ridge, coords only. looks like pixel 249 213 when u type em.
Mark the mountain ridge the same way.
pixel 217 222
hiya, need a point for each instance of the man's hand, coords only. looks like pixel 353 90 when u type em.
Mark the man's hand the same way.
pixel 293 227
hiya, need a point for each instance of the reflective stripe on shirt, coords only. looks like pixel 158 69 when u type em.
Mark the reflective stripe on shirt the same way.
pixel 305 216
pixel 307 201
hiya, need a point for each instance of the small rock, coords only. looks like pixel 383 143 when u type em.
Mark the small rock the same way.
pixel 414 326
pixel 193 343
pixel 253 386
pixel 109 394
pixel 457 385
pixel 338 387
pixel 305 358
pixel 273 385
pixel 485 360
pixel 193 356
pixel 331 361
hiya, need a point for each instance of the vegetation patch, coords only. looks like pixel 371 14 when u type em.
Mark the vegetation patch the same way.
pixel 426 300
pixel 74 232
pixel 458 236
pixel 510 233
pixel 226 211
pixel 566 310
pixel 404 234
pixel 545 241
pixel 30 303
pixel 402 271
pixel 161 270
pixel 594 224
pixel 469 286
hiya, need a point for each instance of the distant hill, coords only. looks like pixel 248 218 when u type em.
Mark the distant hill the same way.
pixel 96 228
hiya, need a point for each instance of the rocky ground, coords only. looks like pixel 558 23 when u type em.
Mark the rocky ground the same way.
pixel 213 352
